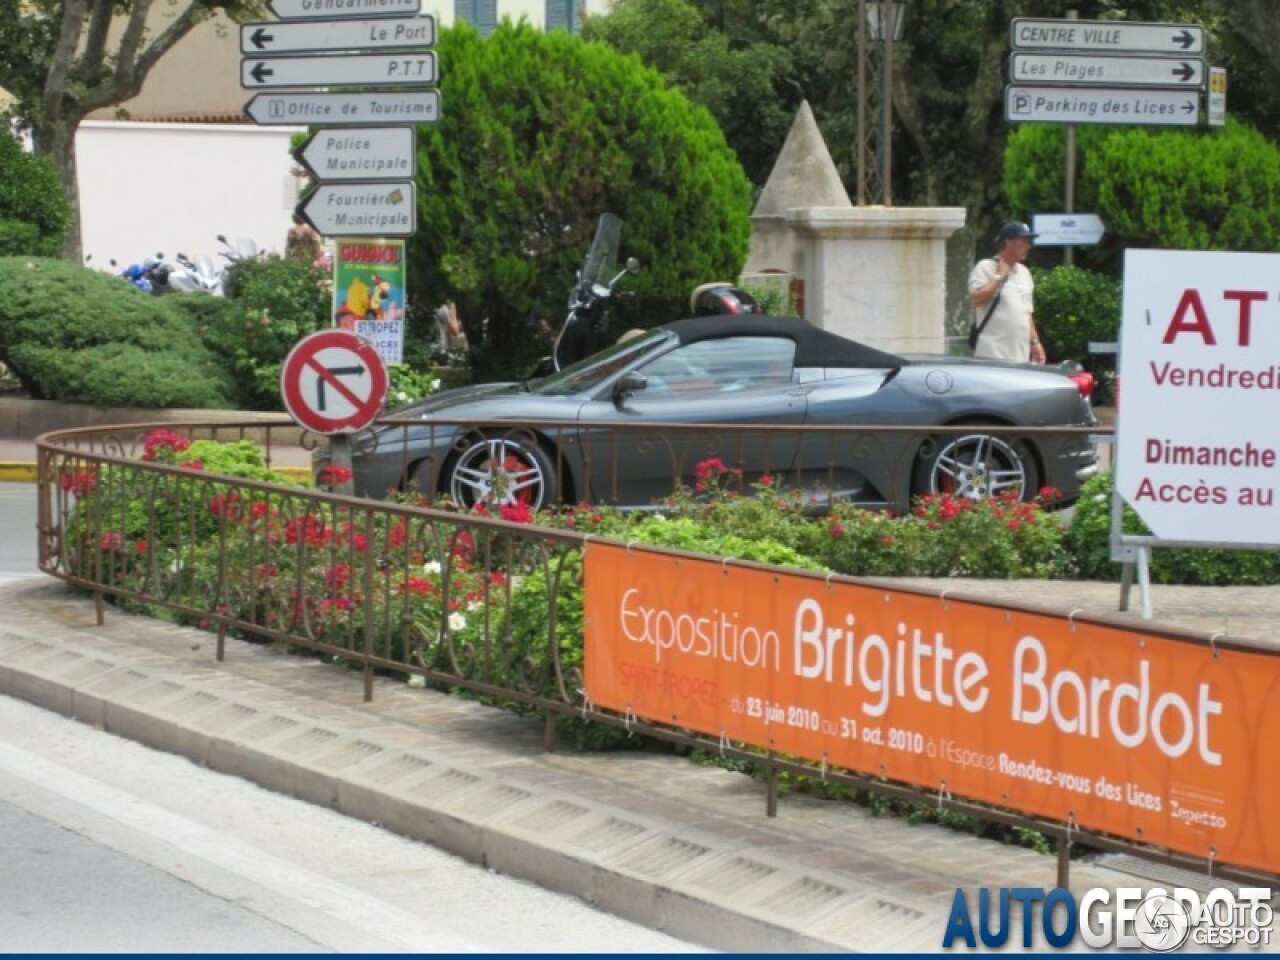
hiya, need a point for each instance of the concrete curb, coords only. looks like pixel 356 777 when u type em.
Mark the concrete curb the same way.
pixel 667 877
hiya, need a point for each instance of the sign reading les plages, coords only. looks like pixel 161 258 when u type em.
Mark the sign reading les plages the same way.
pixel 1158 740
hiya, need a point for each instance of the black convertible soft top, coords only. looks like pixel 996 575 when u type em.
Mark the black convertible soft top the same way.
pixel 814 347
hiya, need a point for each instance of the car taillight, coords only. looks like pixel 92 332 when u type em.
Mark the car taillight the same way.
pixel 1084 383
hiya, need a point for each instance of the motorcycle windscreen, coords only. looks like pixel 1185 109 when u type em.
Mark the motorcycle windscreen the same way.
pixel 602 259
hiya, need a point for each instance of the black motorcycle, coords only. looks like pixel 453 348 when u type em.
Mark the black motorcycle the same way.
pixel 586 326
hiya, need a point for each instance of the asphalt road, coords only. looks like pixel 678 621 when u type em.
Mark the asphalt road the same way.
pixel 110 847
pixel 18 547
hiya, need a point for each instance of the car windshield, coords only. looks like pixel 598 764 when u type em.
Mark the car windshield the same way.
pixel 586 375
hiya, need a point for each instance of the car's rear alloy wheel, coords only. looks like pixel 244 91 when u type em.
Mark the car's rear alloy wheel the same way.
pixel 976 466
pixel 499 471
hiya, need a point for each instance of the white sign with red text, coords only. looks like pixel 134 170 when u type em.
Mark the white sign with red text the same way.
pixel 1197 435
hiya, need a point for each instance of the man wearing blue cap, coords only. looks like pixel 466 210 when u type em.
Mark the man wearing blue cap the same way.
pixel 1002 293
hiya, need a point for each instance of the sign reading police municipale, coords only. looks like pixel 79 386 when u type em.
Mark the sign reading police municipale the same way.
pixel 1197 438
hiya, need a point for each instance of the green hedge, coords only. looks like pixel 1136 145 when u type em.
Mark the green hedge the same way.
pixel 80 336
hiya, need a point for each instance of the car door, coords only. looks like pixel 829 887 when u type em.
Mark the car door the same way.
pixel 731 380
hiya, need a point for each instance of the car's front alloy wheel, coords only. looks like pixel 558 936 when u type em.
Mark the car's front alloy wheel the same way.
pixel 501 471
pixel 976 466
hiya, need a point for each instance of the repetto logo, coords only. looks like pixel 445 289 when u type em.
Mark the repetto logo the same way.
pixel 1155 919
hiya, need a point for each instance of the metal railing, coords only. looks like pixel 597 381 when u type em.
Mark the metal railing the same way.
pixel 404 587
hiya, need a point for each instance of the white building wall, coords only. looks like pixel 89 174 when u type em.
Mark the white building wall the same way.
pixel 170 187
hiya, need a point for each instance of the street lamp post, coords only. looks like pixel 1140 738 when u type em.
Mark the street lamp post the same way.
pixel 883 19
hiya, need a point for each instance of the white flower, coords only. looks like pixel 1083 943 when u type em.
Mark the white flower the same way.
pixel 659 518
pixel 457 621
pixel 475 605
pixel 432 567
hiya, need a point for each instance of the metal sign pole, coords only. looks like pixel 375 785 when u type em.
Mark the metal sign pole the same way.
pixel 1069 173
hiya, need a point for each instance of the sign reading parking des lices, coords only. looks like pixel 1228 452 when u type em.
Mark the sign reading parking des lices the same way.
pixel 1139 735
pixel 1197 438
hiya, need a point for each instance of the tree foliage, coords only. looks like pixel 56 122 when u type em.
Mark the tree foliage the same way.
pixel 34 213
pixel 63 59
pixel 1213 189
pixel 748 87
pixel 540 134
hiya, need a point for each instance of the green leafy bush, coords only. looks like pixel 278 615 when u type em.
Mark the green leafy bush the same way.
pixel 277 302
pixel 1180 189
pixel 544 133
pixel 1089 541
pixel 1075 307
pixel 81 336
pixel 34 212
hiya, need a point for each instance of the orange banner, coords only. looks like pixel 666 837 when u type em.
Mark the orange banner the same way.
pixel 1157 740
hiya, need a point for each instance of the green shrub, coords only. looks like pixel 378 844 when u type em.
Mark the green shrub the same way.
pixel 1089 541
pixel 544 133
pixel 81 336
pixel 277 302
pixel 1214 188
pixel 1075 307
pixel 34 212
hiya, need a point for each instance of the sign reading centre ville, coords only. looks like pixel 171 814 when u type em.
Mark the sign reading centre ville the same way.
pixel 1197 439
pixel 1156 739
pixel 1106 36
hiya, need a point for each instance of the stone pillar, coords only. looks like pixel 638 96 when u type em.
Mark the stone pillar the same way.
pixel 877 274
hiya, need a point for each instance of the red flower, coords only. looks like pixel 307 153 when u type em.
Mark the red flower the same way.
pixel 516 513
pixel 111 541
pixel 337 576
pixel 78 483
pixel 160 442
pixel 332 475
pixel 887 540
pixel 193 465
pixel 837 528
pixel 225 504
pixel 766 480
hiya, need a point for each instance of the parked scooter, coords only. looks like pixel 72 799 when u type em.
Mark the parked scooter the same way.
pixel 585 327
pixel 243 250
pixel 196 276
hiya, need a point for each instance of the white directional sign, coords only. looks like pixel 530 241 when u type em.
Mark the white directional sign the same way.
pixel 317 36
pixel 1028 104
pixel 370 153
pixel 344 109
pixel 372 69
pixel 1106 36
pixel 1067 229
pixel 1107 71
pixel 341 9
pixel 362 209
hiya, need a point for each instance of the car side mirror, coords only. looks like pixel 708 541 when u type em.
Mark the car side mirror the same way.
pixel 628 384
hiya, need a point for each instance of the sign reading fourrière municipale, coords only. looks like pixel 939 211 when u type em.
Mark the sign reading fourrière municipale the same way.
pixel 1197 441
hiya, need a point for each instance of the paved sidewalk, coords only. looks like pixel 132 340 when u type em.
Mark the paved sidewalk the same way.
pixel 678 846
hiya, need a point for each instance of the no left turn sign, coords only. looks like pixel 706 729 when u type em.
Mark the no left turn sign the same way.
pixel 333 382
